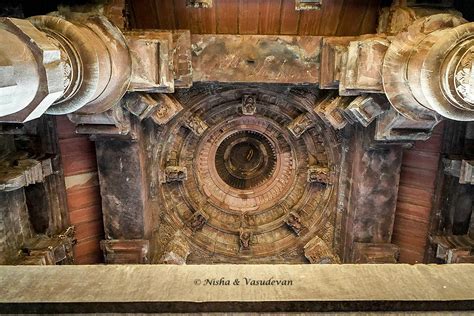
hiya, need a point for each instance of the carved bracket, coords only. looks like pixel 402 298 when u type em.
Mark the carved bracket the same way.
pixel 19 171
pixel 300 125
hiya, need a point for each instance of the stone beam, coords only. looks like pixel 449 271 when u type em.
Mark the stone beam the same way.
pixel 202 288
pixel 256 58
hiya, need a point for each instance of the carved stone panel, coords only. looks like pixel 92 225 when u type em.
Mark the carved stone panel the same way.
pixel 318 175
pixel 300 125
pixel 196 125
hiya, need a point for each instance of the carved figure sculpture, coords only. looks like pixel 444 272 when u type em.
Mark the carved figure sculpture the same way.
pixel 249 105
pixel 294 222
pixel 244 238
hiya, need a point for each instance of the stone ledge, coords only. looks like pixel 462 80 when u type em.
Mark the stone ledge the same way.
pixel 140 288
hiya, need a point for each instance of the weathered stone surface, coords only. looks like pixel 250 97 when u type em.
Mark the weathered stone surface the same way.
pixel 332 51
pixel 393 126
pixel 454 248
pixel 363 69
pixel 188 288
pixel 398 17
pixel 182 59
pixel 124 191
pixel 318 252
pixel 331 110
pixel 15 227
pixel 18 171
pixel 255 58
pixel 375 253
pixel 31 81
pixel 424 67
pixel 152 61
pixel 370 209
pixel 115 121
pixel 462 169
pixel 48 250
pixel 125 251
pixel 365 108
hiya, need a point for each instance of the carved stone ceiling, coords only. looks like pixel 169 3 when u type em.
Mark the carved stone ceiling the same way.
pixel 258 178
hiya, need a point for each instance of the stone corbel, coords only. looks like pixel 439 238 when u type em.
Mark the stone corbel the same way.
pixel 115 121
pixel 161 108
pixel 18 171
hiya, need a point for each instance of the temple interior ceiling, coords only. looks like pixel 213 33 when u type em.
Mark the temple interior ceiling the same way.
pixel 236 155
pixel 253 187
pixel 209 131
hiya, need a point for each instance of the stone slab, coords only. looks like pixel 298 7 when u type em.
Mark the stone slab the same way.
pixel 138 288
pixel 256 58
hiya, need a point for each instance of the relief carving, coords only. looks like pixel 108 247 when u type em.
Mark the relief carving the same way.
pixel 294 223
pixel 463 81
pixel 197 222
pixel 173 172
pixel 244 239
pixel 167 108
pixel 300 125
pixel 317 251
pixel 196 125
pixel 318 175
pixel 249 105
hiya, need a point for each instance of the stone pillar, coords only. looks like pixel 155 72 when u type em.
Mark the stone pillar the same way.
pixel 123 188
pixel 67 66
pixel 427 69
pixel 371 190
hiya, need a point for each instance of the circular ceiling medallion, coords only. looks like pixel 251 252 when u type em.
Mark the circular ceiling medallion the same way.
pixel 245 159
